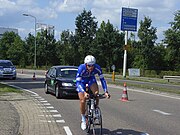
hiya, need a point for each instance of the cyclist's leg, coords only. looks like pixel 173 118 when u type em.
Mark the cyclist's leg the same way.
pixel 94 88
pixel 82 107
pixel 82 102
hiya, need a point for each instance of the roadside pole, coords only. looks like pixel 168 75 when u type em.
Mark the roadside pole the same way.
pixel 125 55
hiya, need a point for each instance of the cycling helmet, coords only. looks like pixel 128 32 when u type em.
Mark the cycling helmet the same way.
pixel 90 60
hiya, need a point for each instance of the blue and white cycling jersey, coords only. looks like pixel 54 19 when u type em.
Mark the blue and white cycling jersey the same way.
pixel 84 77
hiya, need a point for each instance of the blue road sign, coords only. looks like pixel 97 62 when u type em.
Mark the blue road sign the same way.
pixel 129 19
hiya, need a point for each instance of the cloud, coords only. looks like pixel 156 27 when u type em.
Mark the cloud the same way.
pixel 25 2
pixel 105 15
pixel 7 6
pixel 52 11
pixel 160 33
pixel 69 5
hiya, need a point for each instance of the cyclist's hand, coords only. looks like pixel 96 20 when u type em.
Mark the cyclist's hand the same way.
pixel 107 95
pixel 96 93
pixel 86 95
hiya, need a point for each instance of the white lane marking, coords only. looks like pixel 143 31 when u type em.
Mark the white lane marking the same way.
pixel 37 97
pixel 56 115
pixel 53 121
pixel 45 115
pixel 44 101
pixel 144 134
pixel 50 107
pixel 34 95
pixel 161 112
pixel 41 99
pixel 67 130
pixel 60 121
pixel 53 111
pixel 46 104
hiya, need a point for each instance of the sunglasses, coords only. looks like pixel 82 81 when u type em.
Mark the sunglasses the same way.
pixel 90 65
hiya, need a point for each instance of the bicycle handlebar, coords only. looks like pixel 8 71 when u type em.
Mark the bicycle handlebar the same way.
pixel 101 96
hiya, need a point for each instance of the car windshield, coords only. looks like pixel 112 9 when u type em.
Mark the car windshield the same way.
pixel 68 73
pixel 6 64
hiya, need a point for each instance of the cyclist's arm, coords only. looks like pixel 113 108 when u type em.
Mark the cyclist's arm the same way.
pixel 79 84
pixel 103 83
pixel 101 77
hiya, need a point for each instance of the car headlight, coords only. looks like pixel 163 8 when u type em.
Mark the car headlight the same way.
pixel 67 84
pixel 14 70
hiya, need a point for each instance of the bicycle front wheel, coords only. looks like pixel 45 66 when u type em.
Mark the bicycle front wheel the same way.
pixel 97 122
pixel 88 119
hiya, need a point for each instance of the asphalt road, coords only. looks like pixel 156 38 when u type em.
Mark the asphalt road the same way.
pixel 144 114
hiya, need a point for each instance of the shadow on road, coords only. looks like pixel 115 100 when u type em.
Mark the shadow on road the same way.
pixel 122 132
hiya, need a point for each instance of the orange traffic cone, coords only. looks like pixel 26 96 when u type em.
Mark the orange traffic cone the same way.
pixel 34 76
pixel 124 95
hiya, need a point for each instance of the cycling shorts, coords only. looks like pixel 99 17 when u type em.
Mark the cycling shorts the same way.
pixel 85 81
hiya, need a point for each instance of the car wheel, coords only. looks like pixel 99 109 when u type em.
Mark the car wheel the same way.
pixel 46 88
pixel 14 78
pixel 58 92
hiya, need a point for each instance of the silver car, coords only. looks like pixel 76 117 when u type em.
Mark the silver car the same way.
pixel 7 70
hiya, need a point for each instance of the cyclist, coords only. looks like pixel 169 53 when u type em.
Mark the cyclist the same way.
pixel 86 75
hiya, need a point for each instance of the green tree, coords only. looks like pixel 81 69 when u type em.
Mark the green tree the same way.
pixel 12 47
pixel 66 51
pixel 17 52
pixel 29 50
pixel 85 32
pixel 147 36
pixel 172 39
pixel 109 45
pixel 46 49
pixel 6 42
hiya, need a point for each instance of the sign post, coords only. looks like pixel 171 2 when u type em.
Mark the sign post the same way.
pixel 113 75
pixel 128 23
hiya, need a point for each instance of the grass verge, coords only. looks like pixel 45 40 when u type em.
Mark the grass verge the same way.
pixel 144 86
pixel 7 89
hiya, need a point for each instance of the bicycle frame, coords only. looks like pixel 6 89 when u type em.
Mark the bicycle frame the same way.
pixel 91 118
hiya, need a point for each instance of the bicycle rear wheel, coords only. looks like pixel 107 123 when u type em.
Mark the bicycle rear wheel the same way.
pixel 97 122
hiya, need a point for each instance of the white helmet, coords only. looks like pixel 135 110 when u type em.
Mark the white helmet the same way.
pixel 90 60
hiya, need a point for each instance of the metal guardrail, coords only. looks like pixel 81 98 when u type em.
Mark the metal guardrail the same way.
pixel 174 78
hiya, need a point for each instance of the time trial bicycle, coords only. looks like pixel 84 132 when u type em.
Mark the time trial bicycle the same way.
pixel 93 114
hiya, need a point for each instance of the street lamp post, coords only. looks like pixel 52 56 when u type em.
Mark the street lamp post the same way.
pixel 34 40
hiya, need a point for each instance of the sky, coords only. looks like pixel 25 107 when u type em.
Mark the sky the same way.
pixel 62 13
